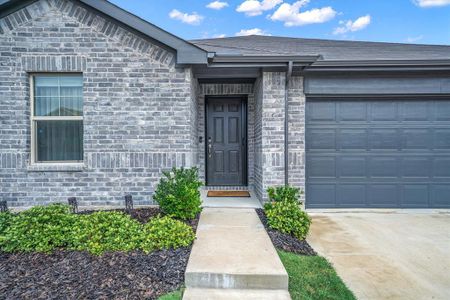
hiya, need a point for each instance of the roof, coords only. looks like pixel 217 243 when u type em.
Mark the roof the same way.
pixel 256 45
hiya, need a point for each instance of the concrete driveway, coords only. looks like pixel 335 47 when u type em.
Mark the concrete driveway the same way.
pixel 387 255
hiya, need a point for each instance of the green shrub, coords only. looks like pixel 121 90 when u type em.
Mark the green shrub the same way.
pixel 5 221
pixel 284 193
pixel 106 231
pixel 177 193
pixel 287 217
pixel 166 233
pixel 41 229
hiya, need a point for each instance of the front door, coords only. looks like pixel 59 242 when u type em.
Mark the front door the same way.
pixel 226 141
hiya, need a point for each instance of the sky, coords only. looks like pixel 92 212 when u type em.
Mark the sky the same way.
pixel 401 21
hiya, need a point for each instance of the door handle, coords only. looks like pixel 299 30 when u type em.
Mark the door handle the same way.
pixel 209 147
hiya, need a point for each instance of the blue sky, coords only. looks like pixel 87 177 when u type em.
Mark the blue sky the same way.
pixel 404 21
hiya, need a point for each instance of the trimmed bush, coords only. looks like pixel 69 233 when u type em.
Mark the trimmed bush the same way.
pixel 287 217
pixel 41 229
pixel 106 231
pixel 178 193
pixel 166 233
pixel 284 193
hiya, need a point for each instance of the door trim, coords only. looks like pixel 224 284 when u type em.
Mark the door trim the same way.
pixel 244 157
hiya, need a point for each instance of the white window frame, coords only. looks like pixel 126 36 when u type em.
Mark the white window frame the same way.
pixel 34 119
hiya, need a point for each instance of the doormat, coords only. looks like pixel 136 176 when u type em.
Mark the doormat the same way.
pixel 228 194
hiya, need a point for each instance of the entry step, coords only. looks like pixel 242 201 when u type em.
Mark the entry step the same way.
pixel 232 294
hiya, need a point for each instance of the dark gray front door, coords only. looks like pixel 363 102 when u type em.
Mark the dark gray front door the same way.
pixel 378 153
pixel 226 141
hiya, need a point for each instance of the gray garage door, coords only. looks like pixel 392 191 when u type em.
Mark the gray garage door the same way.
pixel 377 153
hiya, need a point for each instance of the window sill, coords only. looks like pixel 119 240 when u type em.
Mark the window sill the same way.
pixel 56 167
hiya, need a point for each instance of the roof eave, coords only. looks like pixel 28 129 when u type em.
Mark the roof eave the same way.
pixel 252 61
pixel 379 65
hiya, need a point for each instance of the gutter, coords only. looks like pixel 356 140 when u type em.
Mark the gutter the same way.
pixel 290 66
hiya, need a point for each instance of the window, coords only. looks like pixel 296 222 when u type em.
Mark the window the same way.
pixel 57 118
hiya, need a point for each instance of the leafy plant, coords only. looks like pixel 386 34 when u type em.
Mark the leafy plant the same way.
pixel 106 231
pixel 41 229
pixel 287 217
pixel 5 221
pixel 166 233
pixel 177 193
pixel 284 193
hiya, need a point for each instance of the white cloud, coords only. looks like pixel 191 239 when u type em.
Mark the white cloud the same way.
pixel 217 5
pixel 414 39
pixel 352 26
pixel 253 31
pixel 291 16
pixel 219 36
pixel 255 8
pixel 431 3
pixel 192 19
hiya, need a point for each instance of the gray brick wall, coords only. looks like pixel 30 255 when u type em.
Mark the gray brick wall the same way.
pixel 139 113
pixel 296 136
pixel 269 132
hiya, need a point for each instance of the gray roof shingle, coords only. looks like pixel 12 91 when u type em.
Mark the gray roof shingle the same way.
pixel 329 49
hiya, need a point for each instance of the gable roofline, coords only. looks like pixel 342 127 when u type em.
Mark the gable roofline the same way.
pixel 186 52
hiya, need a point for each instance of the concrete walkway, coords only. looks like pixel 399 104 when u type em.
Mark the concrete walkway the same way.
pixel 387 255
pixel 233 258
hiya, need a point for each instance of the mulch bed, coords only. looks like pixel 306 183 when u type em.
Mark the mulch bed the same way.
pixel 80 275
pixel 284 241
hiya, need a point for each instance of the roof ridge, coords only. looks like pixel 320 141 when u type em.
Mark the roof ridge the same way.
pixel 314 39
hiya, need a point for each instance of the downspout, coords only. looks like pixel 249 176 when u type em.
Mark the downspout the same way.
pixel 286 122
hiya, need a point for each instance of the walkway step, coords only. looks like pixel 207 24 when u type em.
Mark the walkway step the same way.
pixel 233 251
pixel 232 294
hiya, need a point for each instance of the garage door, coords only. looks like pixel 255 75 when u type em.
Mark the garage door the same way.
pixel 377 153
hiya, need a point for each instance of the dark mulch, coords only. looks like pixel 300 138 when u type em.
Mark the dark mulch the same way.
pixel 80 275
pixel 284 241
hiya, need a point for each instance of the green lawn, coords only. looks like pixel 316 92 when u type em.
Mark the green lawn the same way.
pixel 312 277
pixel 177 295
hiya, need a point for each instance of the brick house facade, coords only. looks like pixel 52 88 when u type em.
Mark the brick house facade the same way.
pixel 144 104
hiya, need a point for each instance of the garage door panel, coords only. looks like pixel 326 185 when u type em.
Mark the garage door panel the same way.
pixel 442 138
pixel 440 195
pixel 321 167
pixel 442 110
pixel 383 111
pixel 415 195
pixel 324 194
pixel 322 139
pixel 350 111
pixel 322 111
pixel 351 195
pixel 441 167
pixel 352 139
pixel 416 138
pixel 416 167
pixel 378 153
pixel 383 138
pixel 415 111
pixel 383 195
pixel 383 166
pixel 352 166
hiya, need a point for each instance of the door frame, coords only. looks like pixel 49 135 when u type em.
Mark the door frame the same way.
pixel 244 132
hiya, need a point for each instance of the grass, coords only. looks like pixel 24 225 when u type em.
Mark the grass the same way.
pixel 312 277
pixel 176 295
